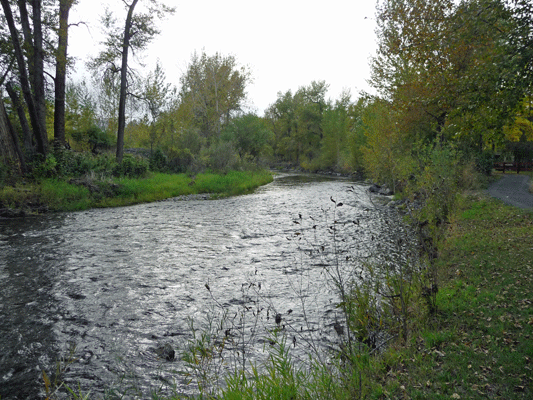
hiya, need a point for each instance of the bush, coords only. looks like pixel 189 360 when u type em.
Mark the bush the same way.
pixel 158 161
pixel 94 139
pixel 131 167
pixel 44 167
pixel 74 164
pixel 192 140
pixel 99 139
pixel 436 185
pixel 180 160
pixel 5 173
pixel 485 162
pixel 221 157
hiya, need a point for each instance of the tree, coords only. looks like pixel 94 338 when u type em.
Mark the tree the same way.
pixel 157 95
pixel 283 122
pixel 522 126
pixel 213 88
pixel 249 134
pixel 80 113
pixel 521 41
pixel 445 68
pixel 297 122
pixel 36 50
pixel 10 153
pixel 311 111
pixel 61 73
pixel 139 30
pixel 488 92
pixel 386 151
pixel 336 127
pixel 30 71
pixel 21 112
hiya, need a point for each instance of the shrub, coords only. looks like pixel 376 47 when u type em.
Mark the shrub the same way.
pixel 44 167
pixel 4 174
pixel 104 164
pixel 221 156
pixel 192 140
pixel 75 164
pixel 485 162
pixel 99 139
pixel 158 161
pixel 180 160
pixel 131 167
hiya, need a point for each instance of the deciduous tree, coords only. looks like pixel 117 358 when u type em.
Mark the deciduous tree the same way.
pixel 249 134
pixel 296 121
pixel 521 41
pixel 213 88
pixel 138 31
pixel 158 97
pixel 445 67
pixel 61 72
pixel 336 126
pixel 30 64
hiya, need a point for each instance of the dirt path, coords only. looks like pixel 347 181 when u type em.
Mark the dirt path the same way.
pixel 512 190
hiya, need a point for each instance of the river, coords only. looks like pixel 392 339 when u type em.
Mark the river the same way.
pixel 117 284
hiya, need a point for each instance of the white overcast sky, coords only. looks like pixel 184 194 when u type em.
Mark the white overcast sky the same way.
pixel 285 43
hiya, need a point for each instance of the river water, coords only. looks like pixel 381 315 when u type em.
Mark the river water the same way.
pixel 115 285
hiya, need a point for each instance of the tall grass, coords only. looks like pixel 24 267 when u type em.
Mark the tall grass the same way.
pixel 232 183
pixel 477 346
pixel 57 194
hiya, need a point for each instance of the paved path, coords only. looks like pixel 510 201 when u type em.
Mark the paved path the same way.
pixel 512 189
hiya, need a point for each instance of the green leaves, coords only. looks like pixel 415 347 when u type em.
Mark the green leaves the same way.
pixel 249 134
pixel 213 88
pixel 446 68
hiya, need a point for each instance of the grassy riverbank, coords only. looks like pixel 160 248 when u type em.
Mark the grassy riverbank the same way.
pixel 84 193
pixel 480 343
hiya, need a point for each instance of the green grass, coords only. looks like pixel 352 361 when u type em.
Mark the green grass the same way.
pixel 480 345
pixel 60 195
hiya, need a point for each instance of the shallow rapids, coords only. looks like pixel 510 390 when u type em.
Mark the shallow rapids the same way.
pixel 116 284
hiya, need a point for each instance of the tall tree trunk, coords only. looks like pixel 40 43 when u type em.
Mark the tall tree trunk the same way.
pixel 40 135
pixel 26 131
pixel 38 73
pixel 10 153
pixel 61 74
pixel 26 31
pixel 34 44
pixel 124 83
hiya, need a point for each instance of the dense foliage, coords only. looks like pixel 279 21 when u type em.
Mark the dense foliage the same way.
pixel 452 74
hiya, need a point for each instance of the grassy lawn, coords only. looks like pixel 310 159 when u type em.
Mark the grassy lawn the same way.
pixel 480 344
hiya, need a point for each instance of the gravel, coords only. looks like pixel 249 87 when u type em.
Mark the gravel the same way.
pixel 513 190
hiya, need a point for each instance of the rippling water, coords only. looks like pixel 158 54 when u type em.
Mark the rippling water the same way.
pixel 116 283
